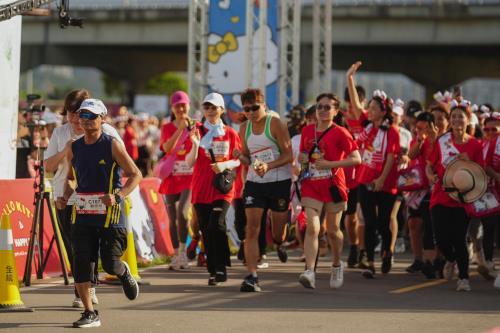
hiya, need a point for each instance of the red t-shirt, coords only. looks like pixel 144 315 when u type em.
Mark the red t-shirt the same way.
pixel 130 142
pixel 355 126
pixel 493 157
pixel 203 190
pixel 376 145
pixel 180 179
pixel 472 148
pixel 334 146
pixel 421 159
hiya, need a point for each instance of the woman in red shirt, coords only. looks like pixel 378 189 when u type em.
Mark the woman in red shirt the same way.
pixel 448 215
pixel 176 187
pixel 377 178
pixel 218 142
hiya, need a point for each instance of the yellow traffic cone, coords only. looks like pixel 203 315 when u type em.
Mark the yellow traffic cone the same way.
pixel 10 298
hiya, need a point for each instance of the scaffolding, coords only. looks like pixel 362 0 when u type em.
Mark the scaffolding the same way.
pixel 289 56
pixel 322 46
pixel 197 51
pixel 259 41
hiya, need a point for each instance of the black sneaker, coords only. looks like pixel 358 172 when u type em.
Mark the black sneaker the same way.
pixel 88 319
pixel 386 263
pixel 352 260
pixel 282 253
pixel 241 252
pixel 221 276
pixel 369 272
pixel 212 280
pixel 438 264
pixel 415 267
pixel 129 284
pixel 250 284
pixel 363 260
pixel 428 270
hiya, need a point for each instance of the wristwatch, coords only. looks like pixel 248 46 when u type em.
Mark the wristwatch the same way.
pixel 118 198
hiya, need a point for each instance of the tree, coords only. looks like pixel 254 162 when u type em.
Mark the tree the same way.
pixel 166 84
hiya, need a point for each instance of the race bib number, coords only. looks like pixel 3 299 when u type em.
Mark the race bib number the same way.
pixel 221 150
pixel 181 168
pixel 319 174
pixel 367 157
pixel 264 155
pixel 90 203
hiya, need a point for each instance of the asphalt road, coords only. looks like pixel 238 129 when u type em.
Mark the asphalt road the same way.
pixel 183 302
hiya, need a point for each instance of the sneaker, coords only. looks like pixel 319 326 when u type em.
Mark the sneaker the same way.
pixel 496 284
pixel 463 285
pixel 449 270
pixel 400 245
pixel 282 253
pixel 129 284
pixel 428 270
pixel 352 259
pixel 485 272
pixel 337 276
pixel 241 252
pixel 415 267
pixel 77 303
pixel 202 261
pixel 369 273
pixel 93 296
pixel 174 264
pixel 221 276
pixel 308 279
pixel 88 319
pixel 183 261
pixel 262 264
pixel 363 260
pixel 386 263
pixel 191 250
pixel 212 281
pixel 250 284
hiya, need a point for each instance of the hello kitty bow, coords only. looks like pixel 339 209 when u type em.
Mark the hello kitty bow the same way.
pixel 495 115
pixel 464 104
pixel 445 97
pixel 381 94
pixel 226 44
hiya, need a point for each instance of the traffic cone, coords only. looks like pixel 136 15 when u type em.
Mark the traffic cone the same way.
pixel 10 298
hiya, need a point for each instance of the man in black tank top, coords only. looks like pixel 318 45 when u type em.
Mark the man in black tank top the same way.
pixel 97 213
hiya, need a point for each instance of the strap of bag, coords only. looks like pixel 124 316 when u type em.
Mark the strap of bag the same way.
pixel 316 144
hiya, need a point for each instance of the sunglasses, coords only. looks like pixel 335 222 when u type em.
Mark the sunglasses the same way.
pixel 253 108
pixel 325 107
pixel 209 107
pixel 491 129
pixel 88 115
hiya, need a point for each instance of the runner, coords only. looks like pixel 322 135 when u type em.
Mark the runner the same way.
pixel 176 185
pixel 55 161
pixel 266 148
pixel 327 148
pixel 97 160
pixel 212 157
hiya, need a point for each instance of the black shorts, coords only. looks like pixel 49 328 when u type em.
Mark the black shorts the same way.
pixel 274 196
pixel 352 201
pixel 423 210
pixel 87 240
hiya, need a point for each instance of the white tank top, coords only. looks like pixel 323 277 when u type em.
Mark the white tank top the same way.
pixel 265 148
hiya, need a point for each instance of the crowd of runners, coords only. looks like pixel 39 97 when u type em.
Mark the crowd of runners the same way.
pixel 367 167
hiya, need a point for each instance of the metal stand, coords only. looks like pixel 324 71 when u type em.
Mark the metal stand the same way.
pixel 36 234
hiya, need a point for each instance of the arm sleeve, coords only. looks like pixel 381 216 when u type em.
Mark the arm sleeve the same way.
pixel 52 148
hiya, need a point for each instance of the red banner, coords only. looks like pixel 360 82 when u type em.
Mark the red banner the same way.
pixel 158 213
pixel 16 200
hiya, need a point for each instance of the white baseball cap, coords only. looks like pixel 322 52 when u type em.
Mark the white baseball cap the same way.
pixel 214 99
pixel 96 106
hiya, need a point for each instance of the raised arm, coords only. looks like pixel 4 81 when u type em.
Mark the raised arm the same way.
pixel 356 105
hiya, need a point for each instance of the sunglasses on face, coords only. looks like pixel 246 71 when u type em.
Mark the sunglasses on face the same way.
pixel 491 129
pixel 88 115
pixel 209 107
pixel 253 108
pixel 325 107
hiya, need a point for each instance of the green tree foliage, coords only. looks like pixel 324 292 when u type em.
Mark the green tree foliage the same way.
pixel 166 83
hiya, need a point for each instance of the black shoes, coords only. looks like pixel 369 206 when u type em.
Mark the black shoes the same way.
pixel 129 284
pixel 282 253
pixel 386 262
pixel 212 281
pixel 88 319
pixel 415 267
pixel 217 278
pixel 428 270
pixel 352 259
pixel 250 284
pixel 363 260
pixel 369 272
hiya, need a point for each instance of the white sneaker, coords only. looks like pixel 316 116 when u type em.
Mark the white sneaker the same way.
pixel 337 276
pixel 77 303
pixel 174 264
pixel 491 265
pixel 496 284
pixel 449 270
pixel 183 261
pixel 262 264
pixel 463 285
pixel 308 279
pixel 400 245
pixel 93 296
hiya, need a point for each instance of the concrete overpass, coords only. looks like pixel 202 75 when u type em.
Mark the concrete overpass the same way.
pixel 436 43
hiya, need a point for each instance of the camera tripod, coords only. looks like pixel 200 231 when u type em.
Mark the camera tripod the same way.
pixel 36 234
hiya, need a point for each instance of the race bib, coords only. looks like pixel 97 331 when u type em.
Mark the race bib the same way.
pixel 319 174
pixel 221 150
pixel 367 157
pixel 264 155
pixel 90 203
pixel 181 168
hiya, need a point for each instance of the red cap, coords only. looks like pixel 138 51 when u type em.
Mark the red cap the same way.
pixel 179 97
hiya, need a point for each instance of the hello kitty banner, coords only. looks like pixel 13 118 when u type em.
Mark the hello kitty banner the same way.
pixel 227 53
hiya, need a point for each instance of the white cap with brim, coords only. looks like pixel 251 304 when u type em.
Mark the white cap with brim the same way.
pixel 214 99
pixel 95 106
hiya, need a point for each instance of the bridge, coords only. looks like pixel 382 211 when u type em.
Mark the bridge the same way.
pixel 437 43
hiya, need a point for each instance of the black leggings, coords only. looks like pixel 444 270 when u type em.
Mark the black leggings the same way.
pixel 240 222
pixel 212 221
pixel 489 225
pixel 451 224
pixel 376 208
pixel 177 219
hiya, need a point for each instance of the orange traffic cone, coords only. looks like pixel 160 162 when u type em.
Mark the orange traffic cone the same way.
pixel 10 298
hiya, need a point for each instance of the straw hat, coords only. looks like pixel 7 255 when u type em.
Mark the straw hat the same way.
pixel 465 181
